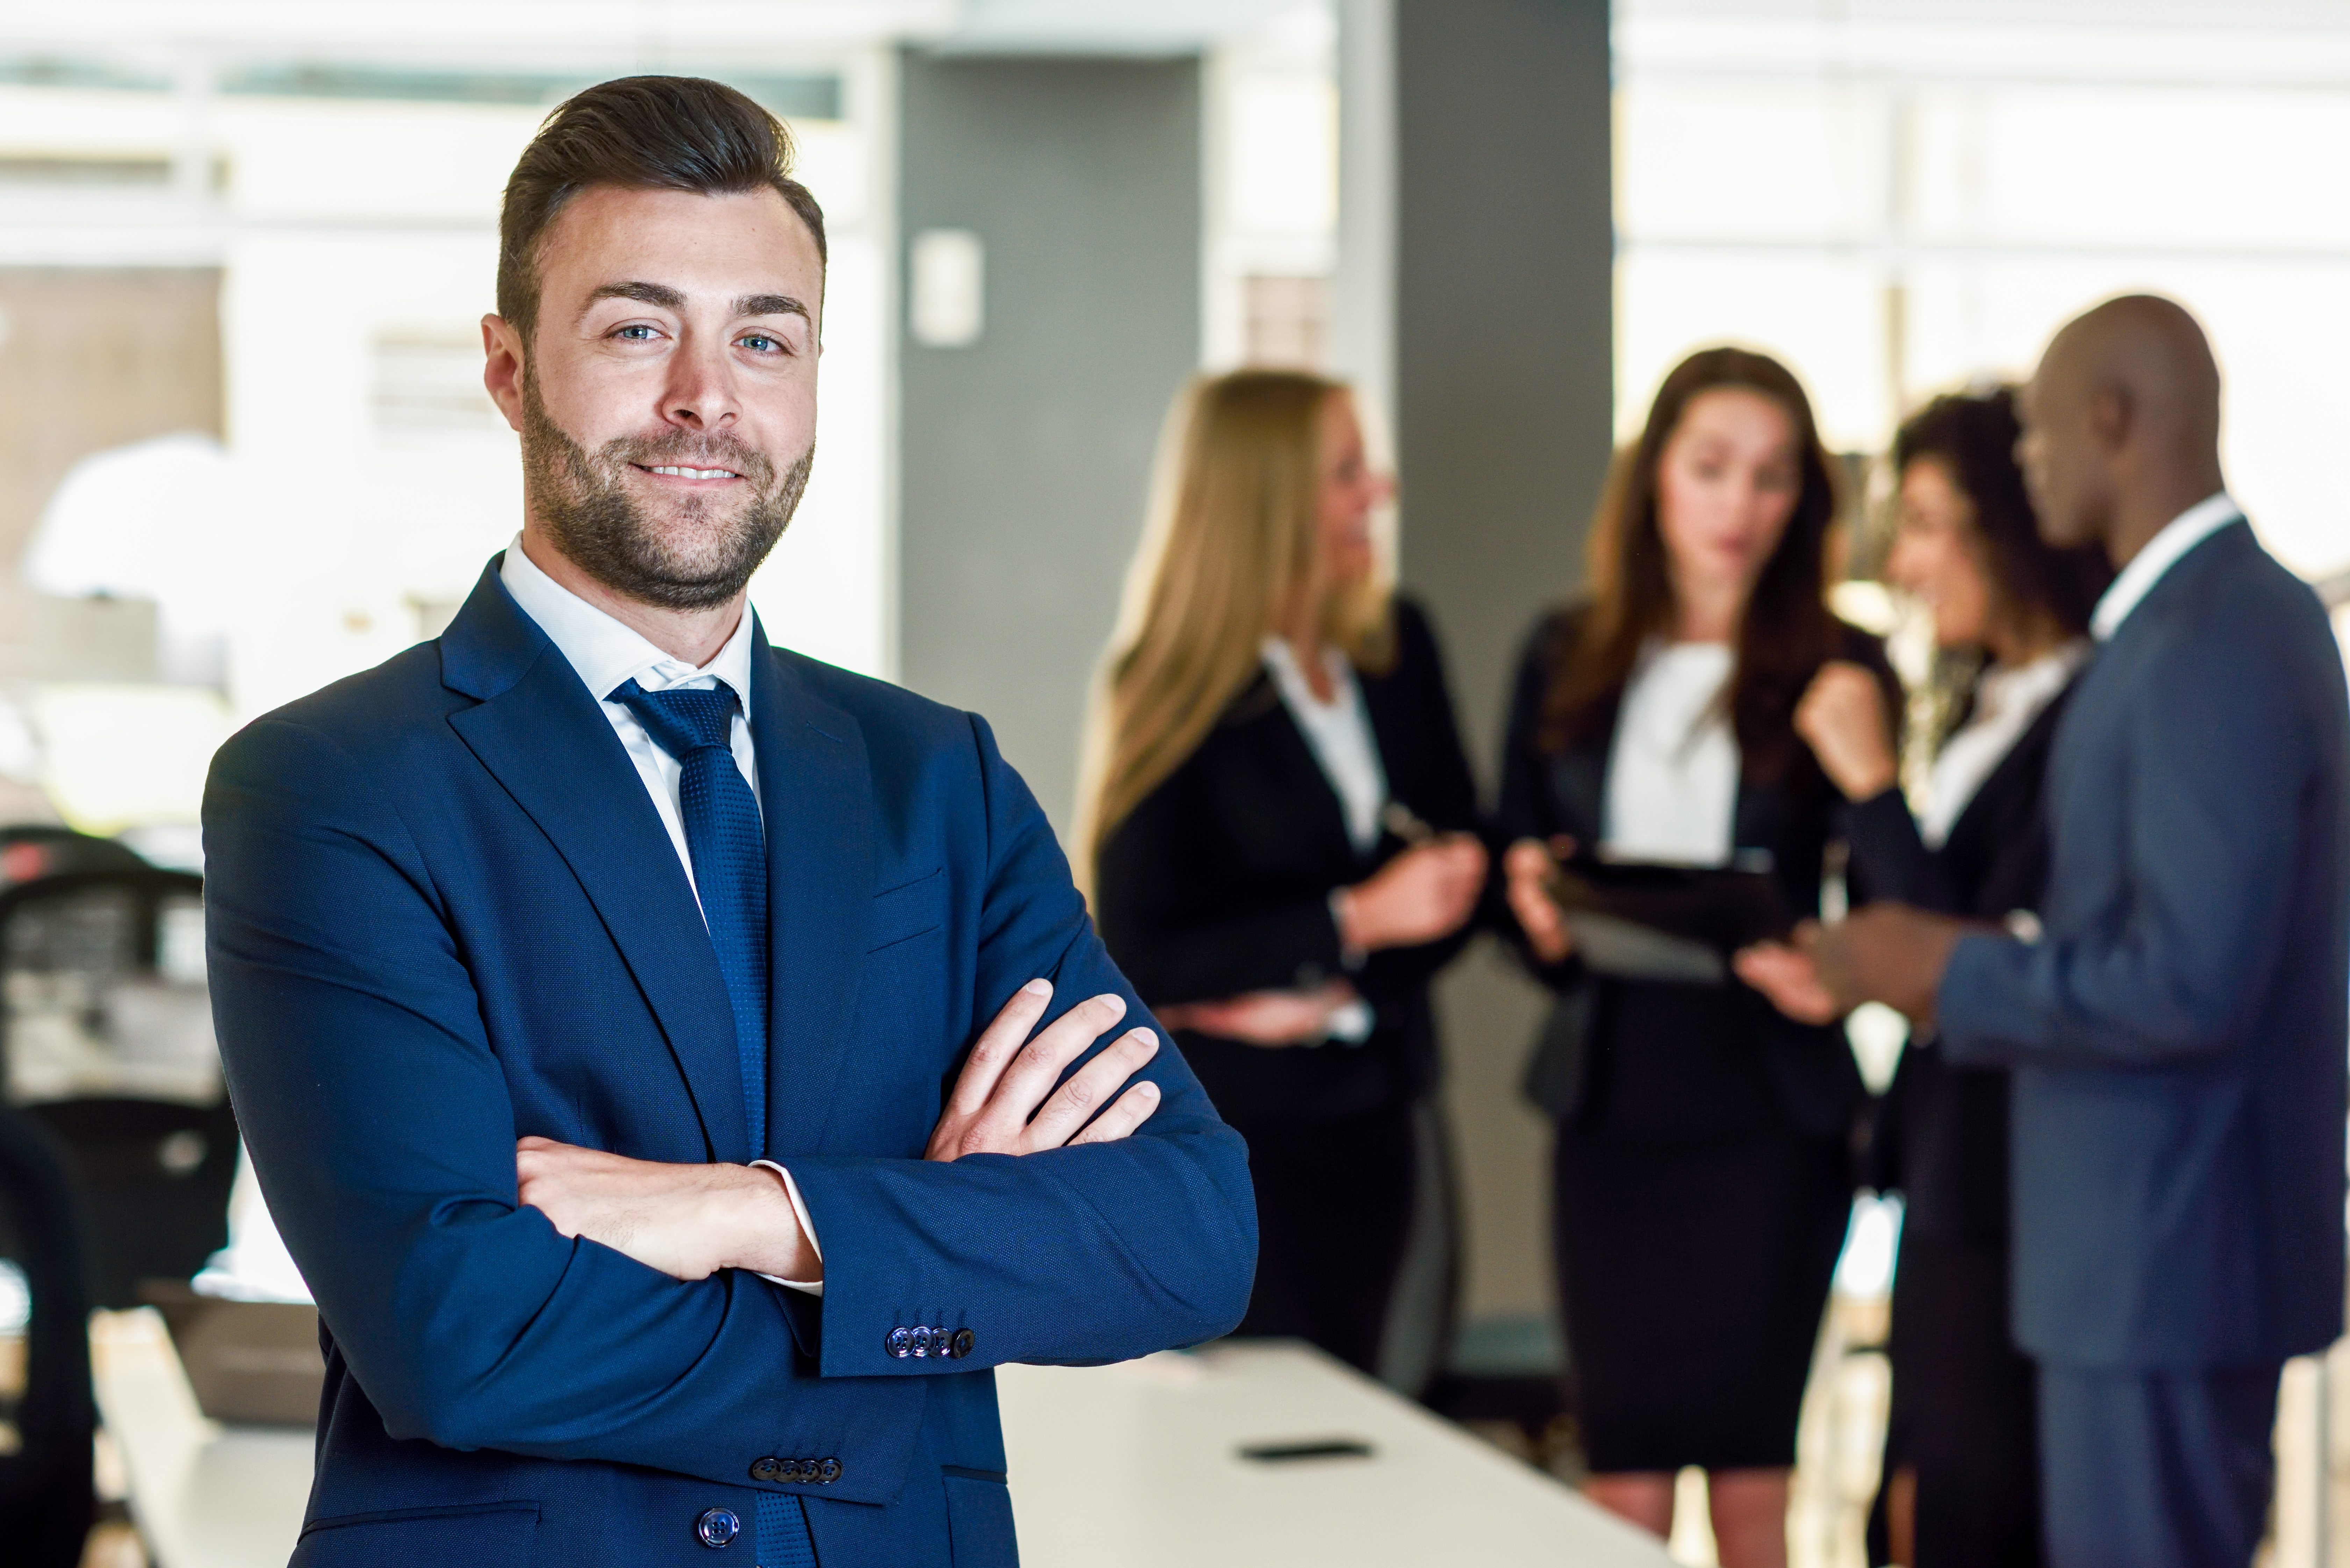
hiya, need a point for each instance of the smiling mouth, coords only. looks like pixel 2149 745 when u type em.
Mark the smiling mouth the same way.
pixel 673 471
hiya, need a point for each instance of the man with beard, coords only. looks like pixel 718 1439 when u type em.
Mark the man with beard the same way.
pixel 598 984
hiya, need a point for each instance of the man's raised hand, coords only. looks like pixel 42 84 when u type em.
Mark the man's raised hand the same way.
pixel 1004 1101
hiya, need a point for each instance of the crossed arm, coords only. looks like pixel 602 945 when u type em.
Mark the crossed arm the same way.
pixel 383 1124
pixel 692 1220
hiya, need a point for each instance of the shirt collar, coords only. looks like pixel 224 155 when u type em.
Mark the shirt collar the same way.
pixel 2161 553
pixel 604 652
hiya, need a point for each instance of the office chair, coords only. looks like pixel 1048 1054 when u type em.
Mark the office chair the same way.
pixel 31 850
pixel 46 1499
pixel 106 1032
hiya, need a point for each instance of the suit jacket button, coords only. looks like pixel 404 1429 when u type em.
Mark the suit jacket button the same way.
pixel 799 1472
pixel 717 1527
pixel 767 1470
pixel 963 1340
pixel 901 1343
pixel 827 1472
pixel 921 1338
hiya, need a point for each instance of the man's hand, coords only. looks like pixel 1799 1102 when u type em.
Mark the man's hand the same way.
pixel 687 1221
pixel 1789 978
pixel 1268 1018
pixel 1886 952
pixel 1009 1076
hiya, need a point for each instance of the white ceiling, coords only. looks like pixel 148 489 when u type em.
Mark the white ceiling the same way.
pixel 554 33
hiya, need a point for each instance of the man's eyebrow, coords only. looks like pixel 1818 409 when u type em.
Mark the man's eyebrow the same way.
pixel 654 294
pixel 769 305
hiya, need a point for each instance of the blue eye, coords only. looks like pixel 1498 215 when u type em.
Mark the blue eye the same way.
pixel 638 332
pixel 759 342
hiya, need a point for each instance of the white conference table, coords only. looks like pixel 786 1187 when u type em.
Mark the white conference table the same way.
pixel 1133 1466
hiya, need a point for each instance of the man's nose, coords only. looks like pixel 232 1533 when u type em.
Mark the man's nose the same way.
pixel 701 391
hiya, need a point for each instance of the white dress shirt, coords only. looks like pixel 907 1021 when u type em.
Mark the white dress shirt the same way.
pixel 606 654
pixel 1672 772
pixel 1338 733
pixel 2006 704
pixel 2159 554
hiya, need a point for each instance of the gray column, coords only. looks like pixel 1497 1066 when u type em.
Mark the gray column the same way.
pixel 1024 456
pixel 1504 388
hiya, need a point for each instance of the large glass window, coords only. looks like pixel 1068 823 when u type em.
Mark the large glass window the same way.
pixel 1900 198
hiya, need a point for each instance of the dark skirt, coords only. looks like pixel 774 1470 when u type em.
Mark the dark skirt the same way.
pixel 1964 1407
pixel 1334 1213
pixel 1692 1275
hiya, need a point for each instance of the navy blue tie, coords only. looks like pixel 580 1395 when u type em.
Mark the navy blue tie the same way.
pixel 729 850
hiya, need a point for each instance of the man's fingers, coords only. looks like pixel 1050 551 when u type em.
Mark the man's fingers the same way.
pixel 1131 1109
pixel 997 1045
pixel 1038 1064
pixel 1089 1089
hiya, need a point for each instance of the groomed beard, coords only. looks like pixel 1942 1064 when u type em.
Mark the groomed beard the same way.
pixel 701 557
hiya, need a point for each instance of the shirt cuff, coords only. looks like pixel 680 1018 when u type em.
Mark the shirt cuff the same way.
pixel 1349 958
pixel 808 1228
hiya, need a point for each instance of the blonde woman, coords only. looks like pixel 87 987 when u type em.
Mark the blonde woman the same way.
pixel 1278 821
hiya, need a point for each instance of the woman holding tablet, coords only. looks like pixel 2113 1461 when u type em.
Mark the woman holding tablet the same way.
pixel 1962 1474
pixel 1702 1160
pixel 1280 822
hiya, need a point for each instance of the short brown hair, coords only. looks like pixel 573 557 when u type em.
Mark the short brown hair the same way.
pixel 643 133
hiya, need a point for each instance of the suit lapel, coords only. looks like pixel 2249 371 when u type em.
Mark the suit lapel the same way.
pixel 815 791
pixel 1578 781
pixel 1292 754
pixel 545 740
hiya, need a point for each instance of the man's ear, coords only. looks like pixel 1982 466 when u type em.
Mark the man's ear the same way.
pixel 2111 417
pixel 504 364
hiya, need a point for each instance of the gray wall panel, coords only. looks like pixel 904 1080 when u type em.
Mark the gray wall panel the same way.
pixel 1504 382
pixel 1026 455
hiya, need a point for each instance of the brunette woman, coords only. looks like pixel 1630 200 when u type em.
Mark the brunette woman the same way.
pixel 1279 821
pixel 1704 1139
pixel 2011 614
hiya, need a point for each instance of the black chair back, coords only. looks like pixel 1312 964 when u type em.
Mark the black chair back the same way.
pixel 32 850
pixel 105 1035
pixel 47 1501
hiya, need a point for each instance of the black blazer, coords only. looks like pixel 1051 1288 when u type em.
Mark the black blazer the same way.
pixel 1793 817
pixel 1942 1134
pixel 1219 883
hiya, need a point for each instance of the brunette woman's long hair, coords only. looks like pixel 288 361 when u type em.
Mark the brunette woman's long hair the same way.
pixel 1786 632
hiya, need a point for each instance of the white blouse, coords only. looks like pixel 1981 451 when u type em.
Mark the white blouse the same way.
pixel 2006 702
pixel 1338 733
pixel 1672 774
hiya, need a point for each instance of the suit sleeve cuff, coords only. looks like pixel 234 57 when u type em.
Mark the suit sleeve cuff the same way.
pixel 1966 1003
pixel 808 1228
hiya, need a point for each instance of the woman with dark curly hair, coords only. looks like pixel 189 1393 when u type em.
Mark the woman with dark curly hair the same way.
pixel 2011 614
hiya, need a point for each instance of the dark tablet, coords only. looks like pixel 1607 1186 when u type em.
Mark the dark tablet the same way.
pixel 1640 920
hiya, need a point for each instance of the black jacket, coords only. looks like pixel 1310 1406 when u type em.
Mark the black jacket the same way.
pixel 1219 883
pixel 1942 1137
pixel 1810 1071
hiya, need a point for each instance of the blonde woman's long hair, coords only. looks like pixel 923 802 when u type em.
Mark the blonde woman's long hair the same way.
pixel 1230 542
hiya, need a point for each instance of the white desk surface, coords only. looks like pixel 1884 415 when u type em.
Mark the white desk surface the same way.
pixel 1133 1466
pixel 1136 1466
pixel 205 1495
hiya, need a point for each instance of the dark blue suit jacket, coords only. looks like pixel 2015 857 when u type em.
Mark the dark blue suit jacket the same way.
pixel 443 914
pixel 2178 1032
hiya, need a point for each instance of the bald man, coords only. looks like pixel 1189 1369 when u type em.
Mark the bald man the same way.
pixel 2177 1025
